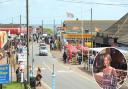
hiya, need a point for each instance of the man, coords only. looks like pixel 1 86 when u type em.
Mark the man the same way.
pixel 64 57
pixel 18 75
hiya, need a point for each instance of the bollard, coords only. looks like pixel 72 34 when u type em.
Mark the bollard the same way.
pixel 53 81
pixel 53 78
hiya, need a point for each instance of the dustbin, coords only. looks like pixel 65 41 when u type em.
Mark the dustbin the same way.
pixel 33 82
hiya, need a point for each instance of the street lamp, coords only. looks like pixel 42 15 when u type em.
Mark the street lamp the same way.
pixel 27 24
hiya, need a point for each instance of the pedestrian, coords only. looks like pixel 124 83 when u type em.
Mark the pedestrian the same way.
pixel 64 57
pixel 30 72
pixel 38 77
pixel 52 46
pixel 18 76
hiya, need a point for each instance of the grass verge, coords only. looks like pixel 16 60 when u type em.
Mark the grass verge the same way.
pixel 13 85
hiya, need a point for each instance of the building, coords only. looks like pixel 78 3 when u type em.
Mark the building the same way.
pixel 87 26
pixel 74 28
pixel 14 28
pixel 116 33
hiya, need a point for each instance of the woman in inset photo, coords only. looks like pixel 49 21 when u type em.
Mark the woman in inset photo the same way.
pixel 109 74
pixel 110 69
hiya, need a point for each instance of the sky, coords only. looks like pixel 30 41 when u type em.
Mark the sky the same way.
pixel 50 10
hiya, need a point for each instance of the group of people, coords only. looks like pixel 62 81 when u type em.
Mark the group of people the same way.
pixel 55 44
pixel 34 81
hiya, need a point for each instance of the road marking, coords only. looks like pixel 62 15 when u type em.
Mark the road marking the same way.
pixel 63 71
pixel 40 68
pixel 47 67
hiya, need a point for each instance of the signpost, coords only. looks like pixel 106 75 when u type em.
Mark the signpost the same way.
pixel 4 74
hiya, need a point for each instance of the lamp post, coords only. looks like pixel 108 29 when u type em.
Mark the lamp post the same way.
pixel 27 25
pixel 32 54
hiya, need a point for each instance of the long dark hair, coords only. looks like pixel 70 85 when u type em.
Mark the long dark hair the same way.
pixel 108 56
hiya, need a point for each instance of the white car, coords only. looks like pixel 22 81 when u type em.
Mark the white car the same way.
pixel 42 44
pixel 43 51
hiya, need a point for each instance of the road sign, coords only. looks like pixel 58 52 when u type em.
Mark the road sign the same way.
pixel 22 57
pixel 4 74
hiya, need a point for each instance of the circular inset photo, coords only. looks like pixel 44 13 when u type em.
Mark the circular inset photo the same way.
pixel 110 68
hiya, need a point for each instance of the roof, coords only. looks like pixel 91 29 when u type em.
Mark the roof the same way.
pixel 119 28
pixel 100 24
pixel 123 39
pixel 10 25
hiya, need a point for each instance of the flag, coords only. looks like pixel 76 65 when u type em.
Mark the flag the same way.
pixel 70 15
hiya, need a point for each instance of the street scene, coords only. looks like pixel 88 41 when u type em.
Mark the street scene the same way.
pixel 63 44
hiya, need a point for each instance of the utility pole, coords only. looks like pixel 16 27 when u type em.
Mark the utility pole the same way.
pixel 11 51
pixel 32 53
pixel 20 25
pixel 12 21
pixel 91 29
pixel 27 23
pixel 54 26
pixel 82 30
pixel 42 28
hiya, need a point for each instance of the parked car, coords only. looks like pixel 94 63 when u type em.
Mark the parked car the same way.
pixel 42 44
pixel 43 51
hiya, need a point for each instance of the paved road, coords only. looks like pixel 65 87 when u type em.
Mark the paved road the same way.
pixel 65 78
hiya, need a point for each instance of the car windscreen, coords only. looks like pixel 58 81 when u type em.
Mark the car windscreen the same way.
pixel 43 47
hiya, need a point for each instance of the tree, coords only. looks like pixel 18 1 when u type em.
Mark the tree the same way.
pixel 48 31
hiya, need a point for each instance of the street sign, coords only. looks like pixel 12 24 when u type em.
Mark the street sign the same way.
pixel 4 74
pixel 22 57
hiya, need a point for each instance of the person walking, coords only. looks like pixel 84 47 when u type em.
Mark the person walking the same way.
pixel 64 57
pixel 18 74
pixel 38 77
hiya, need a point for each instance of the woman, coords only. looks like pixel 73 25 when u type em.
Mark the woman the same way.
pixel 18 74
pixel 38 77
pixel 109 74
